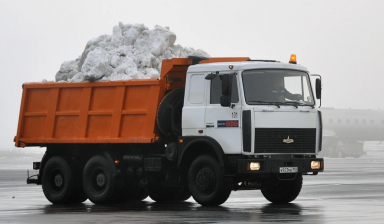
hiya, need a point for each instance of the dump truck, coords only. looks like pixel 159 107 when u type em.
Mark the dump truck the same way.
pixel 207 127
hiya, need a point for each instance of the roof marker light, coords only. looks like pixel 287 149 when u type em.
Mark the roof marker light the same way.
pixel 292 60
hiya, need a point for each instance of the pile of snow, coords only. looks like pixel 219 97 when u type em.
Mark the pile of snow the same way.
pixel 131 52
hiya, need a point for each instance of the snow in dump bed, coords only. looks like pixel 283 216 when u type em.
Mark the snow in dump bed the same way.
pixel 131 52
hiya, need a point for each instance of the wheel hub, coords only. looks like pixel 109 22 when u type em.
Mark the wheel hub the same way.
pixel 100 179
pixel 58 180
pixel 204 179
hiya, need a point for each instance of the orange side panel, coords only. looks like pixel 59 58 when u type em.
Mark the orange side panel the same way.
pixel 69 99
pixel 34 126
pixel 66 126
pixel 108 112
pixel 38 100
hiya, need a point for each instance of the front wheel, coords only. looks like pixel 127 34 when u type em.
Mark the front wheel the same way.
pixel 283 191
pixel 206 181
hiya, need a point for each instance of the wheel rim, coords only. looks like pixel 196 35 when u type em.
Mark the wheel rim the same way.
pixel 57 180
pixel 205 181
pixel 99 180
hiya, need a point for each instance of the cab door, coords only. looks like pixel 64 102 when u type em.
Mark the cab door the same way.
pixel 224 123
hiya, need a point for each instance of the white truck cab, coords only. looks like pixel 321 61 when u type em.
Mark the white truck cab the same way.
pixel 272 109
pixel 261 120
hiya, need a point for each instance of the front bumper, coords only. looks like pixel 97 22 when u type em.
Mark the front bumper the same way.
pixel 273 165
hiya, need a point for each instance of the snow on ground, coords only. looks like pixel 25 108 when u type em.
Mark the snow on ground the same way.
pixel 131 52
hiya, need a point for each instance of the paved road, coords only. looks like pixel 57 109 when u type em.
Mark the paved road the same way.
pixel 349 191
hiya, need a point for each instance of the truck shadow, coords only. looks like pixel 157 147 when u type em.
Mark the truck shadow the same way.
pixel 184 211
pixel 129 206
pixel 289 209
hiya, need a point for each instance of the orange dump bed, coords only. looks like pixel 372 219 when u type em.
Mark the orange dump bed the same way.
pixel 100 112
pixel 108 112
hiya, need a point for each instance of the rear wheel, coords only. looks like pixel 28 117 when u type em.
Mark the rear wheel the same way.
pixel 206 181
pixel 283 191
pixel 100 184
pixel 58 181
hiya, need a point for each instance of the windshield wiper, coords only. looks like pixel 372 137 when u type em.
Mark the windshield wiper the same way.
pixel 293 103
pixel 297 103
pixel 277 104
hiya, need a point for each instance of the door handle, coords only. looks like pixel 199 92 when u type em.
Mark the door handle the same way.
pixel 210 125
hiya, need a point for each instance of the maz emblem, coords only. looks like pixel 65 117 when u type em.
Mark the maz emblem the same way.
pixel 288 140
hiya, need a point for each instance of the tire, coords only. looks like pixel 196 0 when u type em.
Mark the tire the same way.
pixel 58 181
pixel 206 181
pixel 100 184
pixel 169 114
pixel 283 191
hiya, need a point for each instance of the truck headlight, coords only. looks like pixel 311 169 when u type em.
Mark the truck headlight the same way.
pixel 315 165
pixel 253 166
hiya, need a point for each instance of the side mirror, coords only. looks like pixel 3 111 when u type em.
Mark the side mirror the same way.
pixel 226 89
pixel 318 89
pixel 226 84
pixel 225 101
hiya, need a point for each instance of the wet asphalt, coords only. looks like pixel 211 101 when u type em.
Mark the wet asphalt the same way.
pixel 349 191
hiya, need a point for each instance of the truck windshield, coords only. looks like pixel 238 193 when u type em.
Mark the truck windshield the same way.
pixel 277 87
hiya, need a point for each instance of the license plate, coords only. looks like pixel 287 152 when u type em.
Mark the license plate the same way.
pixel 288 169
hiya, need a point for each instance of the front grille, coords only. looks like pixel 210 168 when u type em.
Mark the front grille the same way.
pixel 270 140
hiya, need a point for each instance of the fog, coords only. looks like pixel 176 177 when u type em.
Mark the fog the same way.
pixel 340 40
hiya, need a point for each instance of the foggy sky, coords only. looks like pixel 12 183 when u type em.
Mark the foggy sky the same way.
pixel 340 40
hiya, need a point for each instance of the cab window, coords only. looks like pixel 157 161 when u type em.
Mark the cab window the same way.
pixel 216 90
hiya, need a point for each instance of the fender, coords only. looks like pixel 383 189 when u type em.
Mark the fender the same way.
pixel 112 163
pixel 188 142
pixel 42 166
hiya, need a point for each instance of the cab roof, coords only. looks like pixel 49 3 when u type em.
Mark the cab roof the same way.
pixel 244 65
